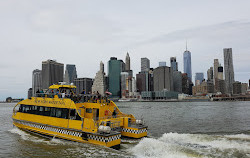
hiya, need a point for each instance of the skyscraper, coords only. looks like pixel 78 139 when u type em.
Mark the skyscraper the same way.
pixel 162 63
pixel 124 84
pixel 52 73
pixel 220 73
pixel 70 74
pixel 216 80
pixel 36 81
pixel 187 64
pixel 177 81
pixel 114 74
pixel 141 82
pixel 229 70
pixel 145 64
pixel 127 62
pixel 216 65
pixel 83 84
pixel 210 74
pixel 199 76
pixel 163 79
pixel 174 64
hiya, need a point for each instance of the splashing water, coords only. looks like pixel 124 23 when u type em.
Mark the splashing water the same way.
pixel 194 145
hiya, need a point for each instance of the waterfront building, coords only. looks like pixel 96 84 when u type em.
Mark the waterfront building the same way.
pixel 237 87
pixel 52 73
pixel 199 77
pixel 177 81
pixel 36 81
pixel 115 67
pixel 174 64
pixel 229 69
pixel 187 64
pixel 83 85
pixel 127 63
pixel 70 73
pixel 244 88
pixel 99 84
pixel 203 89
pixel 210 74
pixel 145 64
pixel 163 79
pixel 162 63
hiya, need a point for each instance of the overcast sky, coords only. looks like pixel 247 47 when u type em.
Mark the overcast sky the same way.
pixel 85 32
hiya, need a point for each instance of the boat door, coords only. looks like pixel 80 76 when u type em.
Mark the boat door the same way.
pixel 95 114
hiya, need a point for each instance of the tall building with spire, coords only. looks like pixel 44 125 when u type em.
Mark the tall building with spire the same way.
pixel 187 63
pixel 229 69
pixel 127 62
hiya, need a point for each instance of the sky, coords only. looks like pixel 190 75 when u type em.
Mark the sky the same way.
pixel 85 32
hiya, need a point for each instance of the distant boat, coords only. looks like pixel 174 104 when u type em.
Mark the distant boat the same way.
pixel 125 100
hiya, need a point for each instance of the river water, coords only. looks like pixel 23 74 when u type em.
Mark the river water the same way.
pixel 175 129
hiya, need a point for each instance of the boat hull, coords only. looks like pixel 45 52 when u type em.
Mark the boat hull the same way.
pixel 112 141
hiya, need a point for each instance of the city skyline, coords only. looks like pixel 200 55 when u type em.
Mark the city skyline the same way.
pixel 37 31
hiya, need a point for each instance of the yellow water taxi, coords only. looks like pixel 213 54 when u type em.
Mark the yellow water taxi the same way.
pixel 82 118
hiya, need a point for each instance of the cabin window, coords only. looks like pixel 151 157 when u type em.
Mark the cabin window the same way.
pixel 53 112
pixel 88 110
pixel 58 112
pixel 65 113
pixel 74 115
pixel 40 110
pixel 26 108
pixel 20 108
pixel 77 116
pixel 46 111
pixel 33 109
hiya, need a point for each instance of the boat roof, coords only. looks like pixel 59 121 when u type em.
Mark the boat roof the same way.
pixel 62 86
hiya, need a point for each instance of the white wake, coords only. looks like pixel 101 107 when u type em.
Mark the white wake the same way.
pixel 176 145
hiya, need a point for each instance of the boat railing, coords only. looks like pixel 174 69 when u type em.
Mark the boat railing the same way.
pixel 113 124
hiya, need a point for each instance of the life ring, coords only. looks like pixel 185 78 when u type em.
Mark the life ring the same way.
pixel 106 112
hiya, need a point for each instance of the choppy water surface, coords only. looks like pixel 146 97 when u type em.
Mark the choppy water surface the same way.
pixel 194 129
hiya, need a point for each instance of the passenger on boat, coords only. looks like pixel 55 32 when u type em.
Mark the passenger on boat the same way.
pixel 114 113
pixel 41 93
pixel 83 91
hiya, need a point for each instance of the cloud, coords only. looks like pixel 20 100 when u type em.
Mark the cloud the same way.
pixel 220 31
